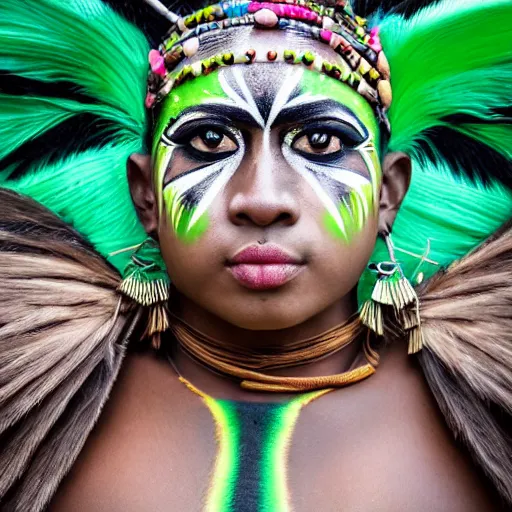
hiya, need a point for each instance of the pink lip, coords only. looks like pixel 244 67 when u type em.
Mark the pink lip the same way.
pixel 263 267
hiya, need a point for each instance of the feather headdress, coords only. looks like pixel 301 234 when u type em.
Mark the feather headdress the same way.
pixel 72 111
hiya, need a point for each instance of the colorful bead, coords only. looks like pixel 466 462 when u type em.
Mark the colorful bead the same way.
pixel 364 66
pixel 361 50
pixel 374 74
pixel 228 58
pixel 308 58
pixel 289 56
pixel 157 63
pixel 191 47
pixel 150 100
pixel 327 23
pixel 385 94
pixel 266 18
pixel 251 56
pixel 326 35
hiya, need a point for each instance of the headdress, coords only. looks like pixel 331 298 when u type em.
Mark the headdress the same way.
pixel 72 111
pixel 363 65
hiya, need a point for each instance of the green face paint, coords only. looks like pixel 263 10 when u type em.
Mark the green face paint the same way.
pixel 198 146
pixel 348 194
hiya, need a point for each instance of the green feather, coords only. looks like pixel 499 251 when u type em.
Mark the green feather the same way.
pixel 84 43
pixel 452 58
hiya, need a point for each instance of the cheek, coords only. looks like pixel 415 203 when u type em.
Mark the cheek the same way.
pixel 340 264
pixel 186 262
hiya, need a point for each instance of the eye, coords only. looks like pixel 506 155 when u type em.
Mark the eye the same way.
pixel 213 141
pixel 317 143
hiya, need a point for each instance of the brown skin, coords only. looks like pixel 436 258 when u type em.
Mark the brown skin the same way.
pixel 380 445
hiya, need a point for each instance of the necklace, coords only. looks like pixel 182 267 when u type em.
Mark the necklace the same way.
pixel 248 365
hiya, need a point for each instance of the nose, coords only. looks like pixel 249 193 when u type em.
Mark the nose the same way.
pixel 263 193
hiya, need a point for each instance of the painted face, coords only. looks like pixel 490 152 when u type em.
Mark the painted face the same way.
pixel 326 133
pixel 272 157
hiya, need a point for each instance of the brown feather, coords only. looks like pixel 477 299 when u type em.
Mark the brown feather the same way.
pixel 466 314
pixel 63 330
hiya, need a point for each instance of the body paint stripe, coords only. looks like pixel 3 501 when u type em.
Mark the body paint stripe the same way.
pixel 232 487
pixel 275 496
pixel 227 432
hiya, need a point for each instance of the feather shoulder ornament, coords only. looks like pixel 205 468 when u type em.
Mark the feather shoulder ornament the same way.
pixel 63 331
pixel 466 313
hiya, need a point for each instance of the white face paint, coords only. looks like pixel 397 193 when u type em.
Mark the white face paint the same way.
pixel 206 142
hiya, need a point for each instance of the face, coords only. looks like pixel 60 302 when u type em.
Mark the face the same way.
pixel 267 182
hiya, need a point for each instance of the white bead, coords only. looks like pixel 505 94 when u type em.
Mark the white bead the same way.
pixel 266 18
pixel 191 46
pixel 327 23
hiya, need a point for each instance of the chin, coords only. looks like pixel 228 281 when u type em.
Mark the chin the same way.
pixel 269 318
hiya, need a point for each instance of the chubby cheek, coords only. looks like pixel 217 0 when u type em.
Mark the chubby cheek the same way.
pixel 188 263
pixel 340 264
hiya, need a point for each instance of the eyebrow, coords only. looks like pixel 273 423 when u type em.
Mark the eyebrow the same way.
pixel 221 111
pixel 297 111
pixel 320 108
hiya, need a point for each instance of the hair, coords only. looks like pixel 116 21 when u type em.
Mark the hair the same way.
pixel 71 113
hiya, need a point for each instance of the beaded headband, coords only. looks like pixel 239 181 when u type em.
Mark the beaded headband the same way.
pixel 363 65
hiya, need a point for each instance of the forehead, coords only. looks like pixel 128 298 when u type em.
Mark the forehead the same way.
pixel 265 88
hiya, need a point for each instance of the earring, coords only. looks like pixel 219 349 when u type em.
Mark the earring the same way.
pixel 393 295
pixel 147 283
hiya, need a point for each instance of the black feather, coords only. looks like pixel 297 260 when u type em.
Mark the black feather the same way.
pixel 466 155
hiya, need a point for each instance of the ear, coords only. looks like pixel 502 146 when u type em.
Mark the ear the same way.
pixel 141 189
pixel 396 177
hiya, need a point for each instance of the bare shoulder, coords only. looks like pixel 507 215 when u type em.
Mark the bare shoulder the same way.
pixel 388 448
pixel 380 445
pixel 152 449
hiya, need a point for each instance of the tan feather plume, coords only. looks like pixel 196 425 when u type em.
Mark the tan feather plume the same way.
pixel 63 329
pixel 466 314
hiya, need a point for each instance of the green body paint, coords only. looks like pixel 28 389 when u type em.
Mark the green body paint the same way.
pixel 186 197
pixel 250 471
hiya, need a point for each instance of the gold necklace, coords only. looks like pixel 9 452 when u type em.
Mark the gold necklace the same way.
pixel 247 365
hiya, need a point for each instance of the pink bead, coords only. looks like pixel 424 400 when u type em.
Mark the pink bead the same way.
pixel 326 35
pixel 157 63
pixel 280 10
pixel 374 31
pixel 150 100
pixel 266 18
pixel 253 7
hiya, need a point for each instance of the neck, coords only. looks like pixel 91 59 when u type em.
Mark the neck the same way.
pixel 222 387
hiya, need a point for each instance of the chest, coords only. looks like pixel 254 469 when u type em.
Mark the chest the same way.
pixel 366 448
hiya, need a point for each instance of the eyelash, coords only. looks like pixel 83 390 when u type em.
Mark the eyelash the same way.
pixel 348 136
pixel 185 134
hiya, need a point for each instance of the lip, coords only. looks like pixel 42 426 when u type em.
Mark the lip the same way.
pixel 266 254
pixel 264 267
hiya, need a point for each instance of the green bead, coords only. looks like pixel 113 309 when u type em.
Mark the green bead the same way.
pixel 308 58
pixel 327 66
pixel 228 58
pixel 289 55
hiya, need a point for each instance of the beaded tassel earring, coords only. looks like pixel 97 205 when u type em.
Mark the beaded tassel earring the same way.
pixel 393 295
pixel 147 283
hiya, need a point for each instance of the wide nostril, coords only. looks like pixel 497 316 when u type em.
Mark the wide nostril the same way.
pixel 284 218
pixel 264 217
